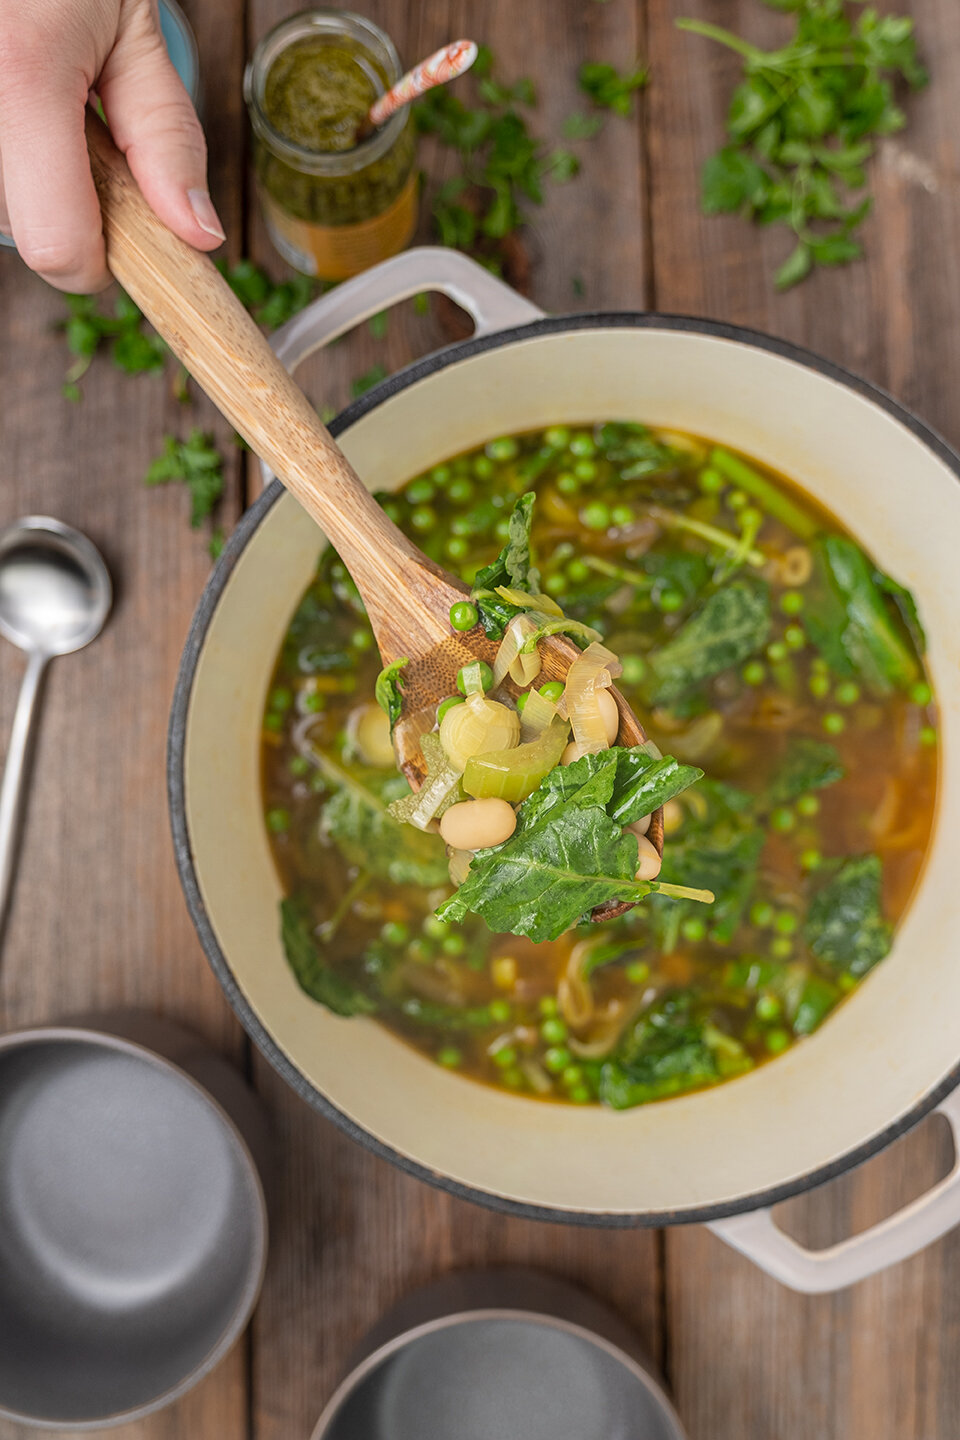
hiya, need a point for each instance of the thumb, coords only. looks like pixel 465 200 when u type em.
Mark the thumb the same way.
pixel 153 122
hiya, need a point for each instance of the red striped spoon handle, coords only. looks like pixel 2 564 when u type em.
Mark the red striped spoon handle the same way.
pixel 438 69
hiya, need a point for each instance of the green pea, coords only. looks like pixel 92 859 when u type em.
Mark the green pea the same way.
pixel 512 1079
pixel 637 972
pixel 791 602
pixel 392 510
pixel 753 673
pixel 578 571
pixel 693 929
pixel 795 637
pixel 423 518
pixel 557 1058
pixel 811 859
pixel 455 945
pixel 847 693
pixel 500 1011
pixel 736 499
pixel 669 601
pixel 460 491
pixel 547 1005
pixel 522 701
pixel 281 698
pixel 776 652
pixel 484 468
pixel 464 615
pixel 502 528
pixel 928 736
pixel 572 1075
pixel 777 1041
pixel 710 481
pixel 783 819
pixel 557 437
pixel 505 1057
pixel 834 723
pixel 299 766
pixel 436 928
pixel 553 1030
pixel 440 474
pixel 761 914
pixel 361 640
pixel 448 704
pixel 394 932
pixel 751 518
pixel 506 448
pixel 819 686
pixel 921 694
pixel 486 677
pixel 785 922
pixel 768 1007
pixel 595 516
pixel 634 670
pixel 621 515
pixel 552 690
pixel 278 820
pixel 819 664
pixel 567 484
pixel 580 1095
pixel 585 470
pixel 450 1057
pixel 808 805
pixel 582 445
pixel 555 584
pixel 419 492
pixel 457 547
pixel 272 721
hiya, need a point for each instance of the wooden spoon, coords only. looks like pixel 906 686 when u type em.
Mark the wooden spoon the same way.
pixel 407 596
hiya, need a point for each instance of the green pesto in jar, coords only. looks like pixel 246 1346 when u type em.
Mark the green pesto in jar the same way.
pixel 318 92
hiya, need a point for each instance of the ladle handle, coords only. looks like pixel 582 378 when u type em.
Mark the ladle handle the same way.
pixel 16 772
pixel 190 304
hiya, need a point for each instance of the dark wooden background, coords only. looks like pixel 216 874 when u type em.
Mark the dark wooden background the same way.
pixel 99 919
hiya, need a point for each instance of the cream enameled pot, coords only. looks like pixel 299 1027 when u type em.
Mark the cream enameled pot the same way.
pixel 886 1058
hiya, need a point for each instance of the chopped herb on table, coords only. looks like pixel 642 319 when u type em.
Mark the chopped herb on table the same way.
pixel 803 124
pixel 195 463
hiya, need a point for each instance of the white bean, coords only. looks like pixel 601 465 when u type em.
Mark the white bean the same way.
pixel 649 861
pixel 476 824
pixel 609 714
pixel 641 826
pixel 572 753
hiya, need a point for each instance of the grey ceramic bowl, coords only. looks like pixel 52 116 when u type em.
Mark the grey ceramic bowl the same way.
pixel 133 1225
pixel 500 1355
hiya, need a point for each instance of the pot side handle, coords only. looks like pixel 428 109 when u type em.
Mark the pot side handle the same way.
pixel 490 303
pixel 819 1272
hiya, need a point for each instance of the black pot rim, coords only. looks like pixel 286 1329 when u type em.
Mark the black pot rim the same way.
pixel 176 778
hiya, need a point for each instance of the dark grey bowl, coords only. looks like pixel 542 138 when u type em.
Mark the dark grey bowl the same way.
pixel 500 1355
pixel 133 1225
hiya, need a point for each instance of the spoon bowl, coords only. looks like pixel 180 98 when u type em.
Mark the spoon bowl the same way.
pixel 55 589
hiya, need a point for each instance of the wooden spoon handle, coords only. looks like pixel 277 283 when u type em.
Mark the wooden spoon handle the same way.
pixel 190 304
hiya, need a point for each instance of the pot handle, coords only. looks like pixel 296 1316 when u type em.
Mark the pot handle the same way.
pixel 818 1272
pixel 490 303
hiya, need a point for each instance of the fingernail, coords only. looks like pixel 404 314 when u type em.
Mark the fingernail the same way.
pixel 204 213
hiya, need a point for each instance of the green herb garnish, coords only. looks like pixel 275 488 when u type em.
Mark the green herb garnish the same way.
pixel 196 463
pixel 389 689
pixel 608 88
pixel 802 125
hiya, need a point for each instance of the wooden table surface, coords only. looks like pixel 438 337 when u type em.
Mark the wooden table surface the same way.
pixel 99 919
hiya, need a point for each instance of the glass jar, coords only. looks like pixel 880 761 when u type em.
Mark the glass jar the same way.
pixel 332 206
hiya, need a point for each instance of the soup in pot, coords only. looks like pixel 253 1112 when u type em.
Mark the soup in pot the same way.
pixel 816 733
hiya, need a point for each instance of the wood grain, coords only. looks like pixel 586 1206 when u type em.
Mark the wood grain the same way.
pixel 747 1358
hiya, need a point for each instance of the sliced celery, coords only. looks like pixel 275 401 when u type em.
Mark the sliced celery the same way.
pixel 514 774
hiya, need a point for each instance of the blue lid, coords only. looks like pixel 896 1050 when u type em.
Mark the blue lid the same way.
pixel 182 48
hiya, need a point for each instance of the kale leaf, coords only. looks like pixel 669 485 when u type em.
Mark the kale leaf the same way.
pixel 358 821
pixel 319 981
pixel 850 623
pixel 807 765
pixel 671 1048
pixel 845 926
pixel 388 692
pixel 731 624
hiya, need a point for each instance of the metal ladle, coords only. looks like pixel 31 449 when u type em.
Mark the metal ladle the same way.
pixel 55 595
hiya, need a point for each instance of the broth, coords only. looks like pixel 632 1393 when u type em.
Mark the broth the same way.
pixel 626 537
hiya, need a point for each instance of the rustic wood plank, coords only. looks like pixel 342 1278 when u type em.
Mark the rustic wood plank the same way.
pixel 748 1359
pixel 352 1234
pixel 98 918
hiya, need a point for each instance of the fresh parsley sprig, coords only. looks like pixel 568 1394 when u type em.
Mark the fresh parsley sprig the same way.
pixel 195 463
pixel 802 125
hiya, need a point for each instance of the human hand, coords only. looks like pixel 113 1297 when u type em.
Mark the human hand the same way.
pixel 52 54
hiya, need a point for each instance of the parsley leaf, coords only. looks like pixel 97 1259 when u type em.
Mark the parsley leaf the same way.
pixel 610 89
pixel 368 379
pixel 514 565
pixel 802 125
pixel 196 463
pixel 389 689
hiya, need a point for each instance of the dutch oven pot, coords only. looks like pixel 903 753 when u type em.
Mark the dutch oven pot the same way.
pixel 889 1056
